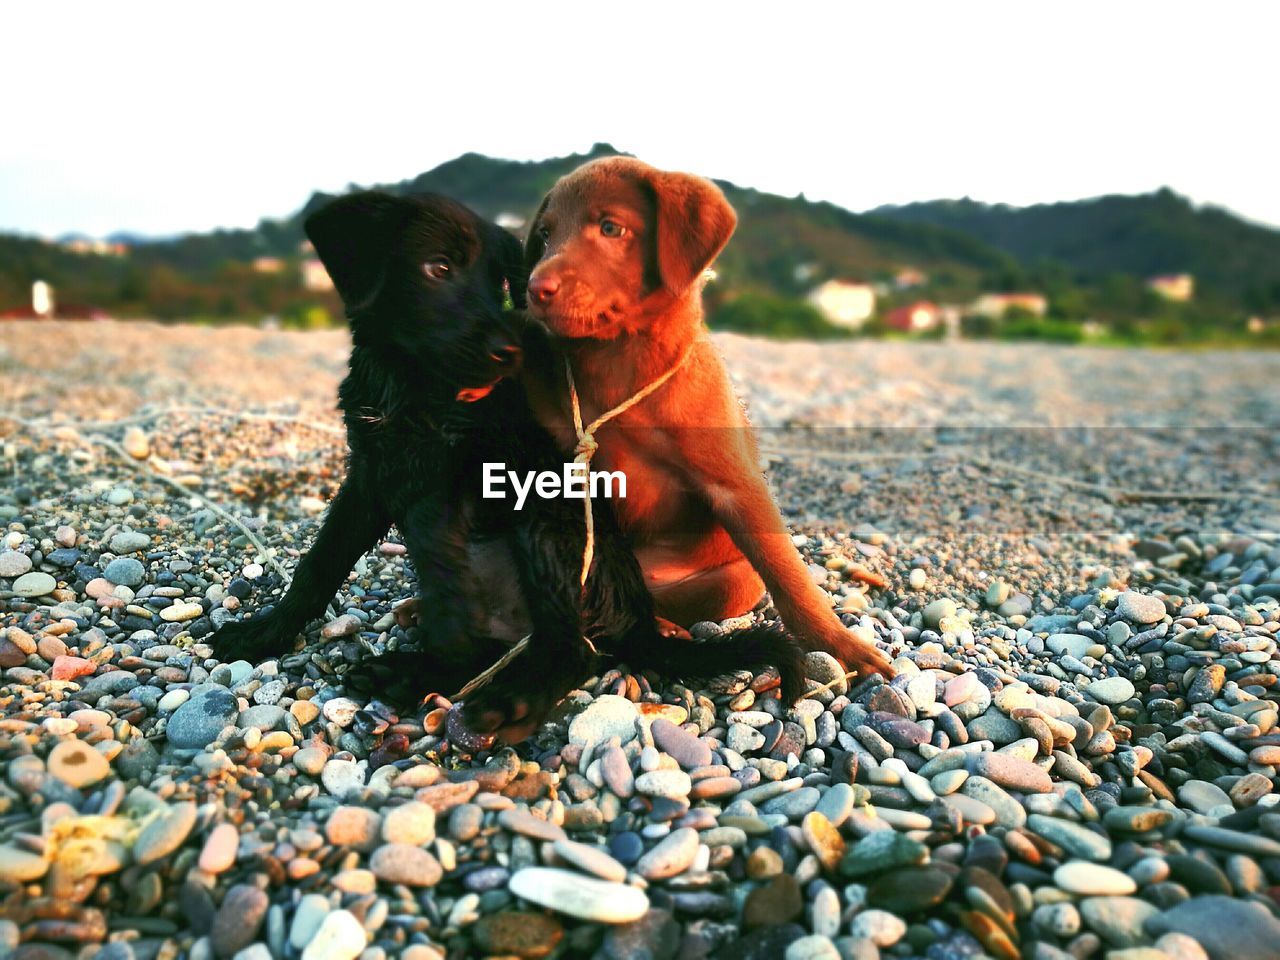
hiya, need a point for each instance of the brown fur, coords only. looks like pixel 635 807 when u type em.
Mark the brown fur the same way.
pixel 624 309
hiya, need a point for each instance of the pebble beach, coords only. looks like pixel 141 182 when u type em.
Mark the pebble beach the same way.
pixel 1073 555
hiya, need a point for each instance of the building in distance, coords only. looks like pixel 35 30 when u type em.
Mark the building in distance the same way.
pixel 845 303
pixel 1178 287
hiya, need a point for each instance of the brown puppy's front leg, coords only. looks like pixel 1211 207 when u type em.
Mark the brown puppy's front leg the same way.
pixel 741 503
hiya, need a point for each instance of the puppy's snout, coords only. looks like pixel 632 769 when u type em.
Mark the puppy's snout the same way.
pixel 543 288
pixel 506 357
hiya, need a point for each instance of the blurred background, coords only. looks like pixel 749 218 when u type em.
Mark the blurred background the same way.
pixel 996 173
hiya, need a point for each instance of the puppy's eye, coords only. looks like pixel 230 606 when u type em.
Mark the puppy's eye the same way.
pixel 544 234
pixel 436 269
pixel 612 229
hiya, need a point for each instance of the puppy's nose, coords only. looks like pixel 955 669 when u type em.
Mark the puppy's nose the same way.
pixel 543 289
pixel 506 357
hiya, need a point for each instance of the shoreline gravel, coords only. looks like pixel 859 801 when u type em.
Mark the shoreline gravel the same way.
pixel 1078 759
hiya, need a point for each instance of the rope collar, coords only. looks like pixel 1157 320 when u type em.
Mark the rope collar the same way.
pixel 582 453
pixel 587 446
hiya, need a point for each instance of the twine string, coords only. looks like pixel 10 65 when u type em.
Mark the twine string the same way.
pixel 583 451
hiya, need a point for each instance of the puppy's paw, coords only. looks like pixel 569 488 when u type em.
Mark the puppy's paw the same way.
pixel 671 630
pixel 255 640
pixel 512 705
pixel 402 679
pixel 867 659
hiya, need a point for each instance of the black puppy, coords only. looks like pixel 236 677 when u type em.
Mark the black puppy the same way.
pixel 427 402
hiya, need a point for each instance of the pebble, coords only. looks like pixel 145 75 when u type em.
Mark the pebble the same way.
pixel 836 804
pixel 882 850
pixel 1011 772
pixel 939 610
pixel 673 855
pixel 593 860
pixel 605 717
pixel 238 920
pixel 773 903
pixel 1179 946
pixel 826 670
pixel 1140 608
pixel 129 542
pixel 342 777
pixel 1111 691
pixel 514 933
pixel 585 898
pixel 413 823
pixel 343 626
pixel 13 564
pixel 680 744
pixel 310 760
pixel 340 937
pixel 1227 929
pixel 307 917
pixel 664 783
pixel 77 764
pixel 352 826
pixel 1120 921
pixel 527 824
pixel 816 946
pixel 403 863
pixel 1093 880
pixel 181 612
pixel 125 571
pixel 34 584
pixel 615 770
pixel 1202 796
pixel 909 890
pixel 764 862
pixel 164 834
pixel 137 444
pixel 21 866
pixel 823 839
pixel 1078 841
pixel 219 851
pixel 197 722
pixel 340 711
pixel 879 926
pixel 793 804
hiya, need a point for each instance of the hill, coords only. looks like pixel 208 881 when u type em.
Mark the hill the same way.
pixel 778 241
pixel 1162 232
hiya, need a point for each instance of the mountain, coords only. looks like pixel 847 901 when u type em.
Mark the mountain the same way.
pixel 1090 257
pixel 776 235
pixel 1142 235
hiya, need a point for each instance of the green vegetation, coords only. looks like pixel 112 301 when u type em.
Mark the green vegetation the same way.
pixel 1139 236
pixel 778 317
pixel 1089 259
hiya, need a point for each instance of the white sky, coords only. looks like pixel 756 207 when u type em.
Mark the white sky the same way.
pixel 187 116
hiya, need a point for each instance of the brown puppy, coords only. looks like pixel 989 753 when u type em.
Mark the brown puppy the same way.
pixel 617 253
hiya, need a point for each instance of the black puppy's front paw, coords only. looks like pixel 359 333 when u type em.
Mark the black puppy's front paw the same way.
pixel 517 700
pixel 403 678
pixel 261 638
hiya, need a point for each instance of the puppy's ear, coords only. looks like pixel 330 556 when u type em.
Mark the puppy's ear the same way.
pixel 694 222
pixel 353 237
pixel 534 247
